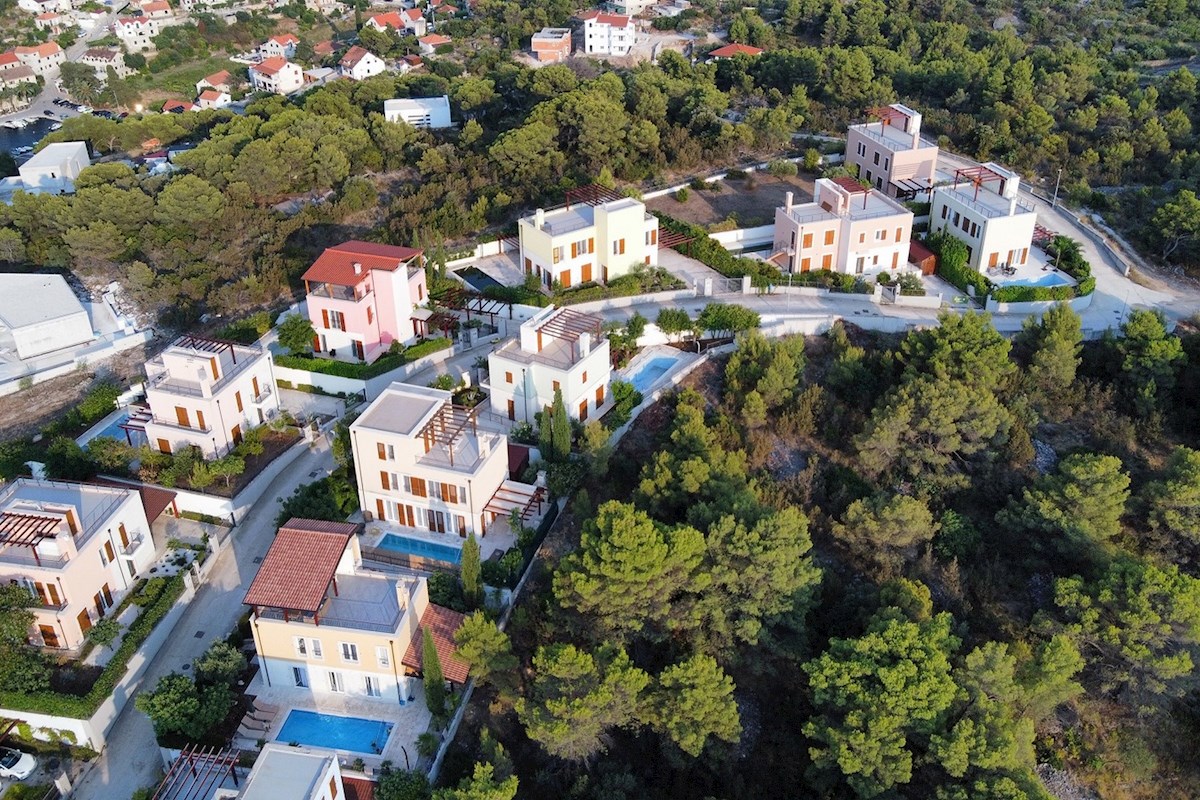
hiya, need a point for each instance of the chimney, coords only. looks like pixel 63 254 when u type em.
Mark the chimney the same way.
pixel 1012 205
pixel 357 268
pixel 914 128
pixel 585 344
pixel 787 203
pixel 539 218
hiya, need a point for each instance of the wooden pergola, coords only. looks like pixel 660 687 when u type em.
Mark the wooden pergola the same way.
pixel 592 195
pixel 977 176
pixel 448 423
pixel 509 498
pixel 198 773
pixel 886 114
pixel 205 344
pixel 673 240
pixel 568 324
pixel 27 530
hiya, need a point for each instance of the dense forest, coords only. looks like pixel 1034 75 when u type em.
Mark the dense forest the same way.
pixel 861 565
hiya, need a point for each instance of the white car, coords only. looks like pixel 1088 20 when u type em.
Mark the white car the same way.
pixel 15 764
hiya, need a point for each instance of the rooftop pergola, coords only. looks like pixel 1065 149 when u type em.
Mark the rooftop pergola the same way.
pixel 568 325
pixel 1042 234
pixel 205 344
pixel 592 195
pixel 470 303
pixel 886 114
pixel 27 530
pixel 447 424
pixel 907 188
pixel 198 773
pixel 977 176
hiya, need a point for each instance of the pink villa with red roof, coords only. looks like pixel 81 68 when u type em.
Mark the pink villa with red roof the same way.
pixel 323 627
pixel 364 296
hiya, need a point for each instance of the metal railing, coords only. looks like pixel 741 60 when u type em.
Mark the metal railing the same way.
pixel 896 144
pixel 134 544
pixel 263 393
pixel 176 425
pixel 987 211
pixel 335 292
pixel 16 556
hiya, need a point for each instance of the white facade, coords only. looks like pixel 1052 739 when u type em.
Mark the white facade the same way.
pixel 420 112
pixel 890 154
pixel 359 64
pixel 553 352
pixel 55 167
pixel 40 314
pixel 296 773
pixel 78 548
pixel 42 59
pixel 208 393
pixel 585 243
pixel 988 218
pixel 101 59
pixel 279 47
pixel 211 98
pixel 137 33
pixel 277 76
pixel 608 34
pixel 410 474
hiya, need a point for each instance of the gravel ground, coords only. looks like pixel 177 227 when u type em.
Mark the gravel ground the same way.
pixel 1062 785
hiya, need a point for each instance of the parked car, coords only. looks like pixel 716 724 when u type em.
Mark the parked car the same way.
pixel 15 764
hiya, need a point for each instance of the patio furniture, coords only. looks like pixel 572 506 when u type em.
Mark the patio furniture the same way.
pixel 250 723
pixel 265 707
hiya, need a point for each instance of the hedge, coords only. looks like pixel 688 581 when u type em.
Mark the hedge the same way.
pixel 952 264
pixel 709 251
pixel 385 363
pixel 65 705
pixel 623 286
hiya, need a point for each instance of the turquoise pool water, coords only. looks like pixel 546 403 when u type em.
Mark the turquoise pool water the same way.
pixel 338 733
pixel 113 431
pixel 1048 279
pixel 650 372
pixel 420 547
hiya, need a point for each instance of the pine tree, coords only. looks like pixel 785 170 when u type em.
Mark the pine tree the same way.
pixel 469 572
pixel 431 669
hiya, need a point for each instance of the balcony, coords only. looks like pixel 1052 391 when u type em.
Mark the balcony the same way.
pixel 134 543
pixel 989 205
pixel 335 292
pixel 23 556
pixel 163 381
pixel 264 393
pixel 175 426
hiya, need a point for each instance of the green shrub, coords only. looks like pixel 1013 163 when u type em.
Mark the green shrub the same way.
pixel 248 330
pixel 910 285
pixel 952 264
pixel 99 402
pixel 385 363
pixel 682 194
pixel 782 168
pixel 708 251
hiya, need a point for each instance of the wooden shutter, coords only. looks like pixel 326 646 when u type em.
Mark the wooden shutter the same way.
pixel 237 398
pixel 200 420
pixel 592 244
pixel 383 479
pixel 181 416
pixel 108 551
pixel 212 360
pixel 379 508
pixel 379 448
pixel 325 317
pixel 574 249
pixel 124 535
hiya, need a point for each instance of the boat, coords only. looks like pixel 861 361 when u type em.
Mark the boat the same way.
pixel 56 126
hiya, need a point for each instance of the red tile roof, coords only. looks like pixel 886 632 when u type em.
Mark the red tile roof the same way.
pixel 43 50
pixel 731 50
pixel 442 623
pixel 212 95
pixel 323 48
pixel 157 5
pixel 49 15
pixel 413 60
pixel 284 39
pixel 270 66
pixel 389 20
pixel 358 788
pixel 182 105
pixel 155 499
pixel 296 571
pixel 336 264
pixel 9 58
pixel 434 39
pixel 616 20
pixel 414 14
pixel 918 252
pixel 221 78
pixel 353 56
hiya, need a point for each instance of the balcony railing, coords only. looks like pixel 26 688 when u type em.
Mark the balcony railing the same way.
pixel 134 543
pixel 47 606
pixel 21 555
pixel 307 618
pixel 174 425
pixel 988 211
pixel 263 393
pixel 335 292
pixel 164 383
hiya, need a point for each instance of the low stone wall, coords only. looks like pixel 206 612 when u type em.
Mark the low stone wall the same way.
pixel 1037 306
pixel 674 296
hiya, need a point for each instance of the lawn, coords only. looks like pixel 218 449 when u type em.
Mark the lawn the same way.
pixel 180 81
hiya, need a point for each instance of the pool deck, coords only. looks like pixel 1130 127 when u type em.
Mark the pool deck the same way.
pixel 499 536
pixel 1038 267
pixel 649 355
pixel 100 428
pixel 505 269
pixel 409 721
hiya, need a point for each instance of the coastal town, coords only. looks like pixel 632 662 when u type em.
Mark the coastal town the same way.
pixel 419 399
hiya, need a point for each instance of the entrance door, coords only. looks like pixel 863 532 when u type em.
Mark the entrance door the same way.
pixel 164 446
pixel 85 622
pixel 512 410
pixel 358 350
pixel 49 635
pixel 437 521
pixel 236 435
pixel 587 273
pixel 316 344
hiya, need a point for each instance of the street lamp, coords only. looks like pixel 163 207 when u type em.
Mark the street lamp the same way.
pixel 1057 181
pixel 525 394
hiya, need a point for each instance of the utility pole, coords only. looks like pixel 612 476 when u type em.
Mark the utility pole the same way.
pixel 1057 181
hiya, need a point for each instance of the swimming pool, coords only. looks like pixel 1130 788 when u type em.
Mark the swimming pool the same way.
pixel 420 547
pixel 337 733
pixel 1048 279
pixel 650 372
pixel 477 278
pixel 113 430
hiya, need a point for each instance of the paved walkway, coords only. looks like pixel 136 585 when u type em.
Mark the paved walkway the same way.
pixel 131 759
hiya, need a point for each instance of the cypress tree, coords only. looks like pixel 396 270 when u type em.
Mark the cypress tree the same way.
pixel 560 429
pixel 469 572
pixel 435 682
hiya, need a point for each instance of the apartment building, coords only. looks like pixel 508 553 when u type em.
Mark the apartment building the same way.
pixel 363 296
pixel 276 75
pixel 558 349
pixel 359 64
pixel 42 58
pixel 420 112
pixel 137 33
pixel 51 21
pixel 583 242
pixel 890 154
pixel 281 46
pixel 323 626
pixel 982 208
pixel 208 393
pixel 77 547
pixel 102 59
pixel 846 228
pixel 551 45
pixel 608 34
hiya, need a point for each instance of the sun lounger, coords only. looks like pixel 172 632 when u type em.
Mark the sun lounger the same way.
pixel 265 707
pixel 253 723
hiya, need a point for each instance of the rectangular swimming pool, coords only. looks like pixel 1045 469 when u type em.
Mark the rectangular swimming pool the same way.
pixel 650 372
pixel 338 733
pixel 1048 279
pixel 420 547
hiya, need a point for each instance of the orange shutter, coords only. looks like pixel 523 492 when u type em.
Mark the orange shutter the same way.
pixel 383 479
pixel 325 317
pixel 379 448
pixel 379 508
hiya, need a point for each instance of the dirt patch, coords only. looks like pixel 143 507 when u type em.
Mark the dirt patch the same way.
pixel 26 412
pixel 750 202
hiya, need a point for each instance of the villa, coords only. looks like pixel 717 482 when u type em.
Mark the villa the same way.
pixel 359 64
pixel 847 228
pixel 890 154
pixel 363 296
pixel 282 46
pixel 324 626
pixel 607 34
pixel 420 112
pixel 987 215
pixel 277 75
pixel 207 393
pixel 78 548
pixel 558 349
pixel 587 241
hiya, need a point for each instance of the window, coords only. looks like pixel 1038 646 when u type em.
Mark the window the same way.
pixel 382 655
pixel 880 235
pixel 315 647
pixel 862 149
pixel 554 386
pixel 876 159
pixel 974 229
pixel 107 554
pixel 887 162
pixel 301 646
pixel 508 377
pixel 956 218
pixel 585 376
pixel 371 685
pixel 418 487
pixel 583 409
pixel 335 682
pixel 619 247
pixel 898 231
pixel 237 399
pixel 807 241
pixel 805 264
pixel 299 676
pixel 827 261
pixel 862 238
pixel 558 254
pixel 383 481
pixel 349 652
pixel 828 237
pixel 370 315
pixel 945 211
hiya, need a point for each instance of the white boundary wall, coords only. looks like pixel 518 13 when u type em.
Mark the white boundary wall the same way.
pixel 1037 306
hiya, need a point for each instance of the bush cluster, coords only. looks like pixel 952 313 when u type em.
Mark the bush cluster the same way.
pixel 385 363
